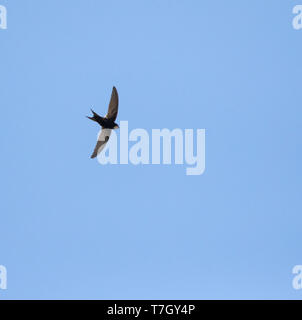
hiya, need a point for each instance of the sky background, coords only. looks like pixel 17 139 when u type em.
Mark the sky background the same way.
pixel 71 228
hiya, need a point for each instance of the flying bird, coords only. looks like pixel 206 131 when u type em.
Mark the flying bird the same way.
pixel 107 123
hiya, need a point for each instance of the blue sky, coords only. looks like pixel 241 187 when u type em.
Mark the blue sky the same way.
pixel 73 229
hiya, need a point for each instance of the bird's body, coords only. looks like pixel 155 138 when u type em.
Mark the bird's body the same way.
pixel 107 123
pixel 104 122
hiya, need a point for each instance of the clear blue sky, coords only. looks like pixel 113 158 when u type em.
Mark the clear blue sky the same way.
pixel 73 229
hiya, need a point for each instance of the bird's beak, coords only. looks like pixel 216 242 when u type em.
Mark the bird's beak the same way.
pixel 116 127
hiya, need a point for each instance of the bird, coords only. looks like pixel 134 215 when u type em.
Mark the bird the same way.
pixel 107 123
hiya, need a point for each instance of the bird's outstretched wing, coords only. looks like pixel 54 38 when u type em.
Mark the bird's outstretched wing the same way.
pixel 113 105
pixel 102 140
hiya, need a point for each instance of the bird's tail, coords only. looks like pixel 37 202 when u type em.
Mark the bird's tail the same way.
pixel 95 117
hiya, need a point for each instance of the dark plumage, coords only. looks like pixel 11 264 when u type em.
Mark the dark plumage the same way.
pixel 107 123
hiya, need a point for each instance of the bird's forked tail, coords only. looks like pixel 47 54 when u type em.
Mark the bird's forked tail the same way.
pixel 95 117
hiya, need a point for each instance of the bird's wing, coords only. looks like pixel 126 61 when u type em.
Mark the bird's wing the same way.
pixel 102 140
pixel 113 105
